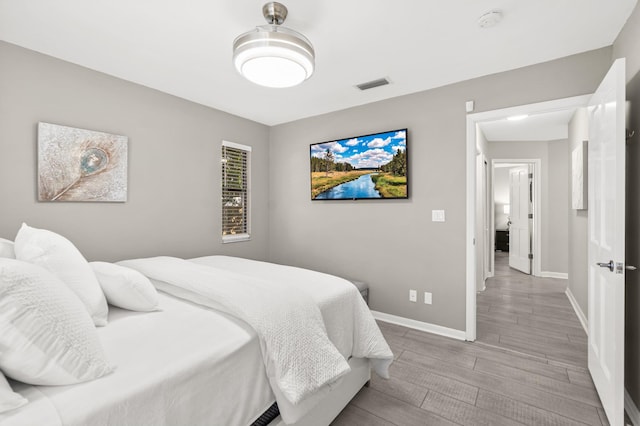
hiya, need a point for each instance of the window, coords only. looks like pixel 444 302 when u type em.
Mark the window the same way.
pixel 235 192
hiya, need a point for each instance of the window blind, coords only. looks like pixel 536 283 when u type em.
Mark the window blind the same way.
pixel 235 192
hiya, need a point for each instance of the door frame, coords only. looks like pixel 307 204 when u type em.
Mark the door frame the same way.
pixel 489 221
pixel 472 122
pixel 483 269
pixel 536 267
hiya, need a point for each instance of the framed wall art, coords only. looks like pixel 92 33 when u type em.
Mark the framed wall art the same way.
pixel 81 165
pixel 579 177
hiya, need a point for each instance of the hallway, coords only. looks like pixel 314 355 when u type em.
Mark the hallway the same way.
pixel 528 366
pixel 530 315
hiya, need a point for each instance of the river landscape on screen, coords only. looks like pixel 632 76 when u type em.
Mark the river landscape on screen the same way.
pixel 363 167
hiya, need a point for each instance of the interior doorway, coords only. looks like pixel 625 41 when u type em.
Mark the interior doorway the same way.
pixel 516 212
pixel 476 253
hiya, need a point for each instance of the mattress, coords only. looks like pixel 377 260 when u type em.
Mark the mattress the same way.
pixel 182 365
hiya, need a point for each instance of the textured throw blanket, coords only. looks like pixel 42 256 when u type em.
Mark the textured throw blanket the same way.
pixel 298 355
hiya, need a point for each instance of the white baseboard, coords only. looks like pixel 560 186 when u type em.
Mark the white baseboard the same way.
pixel 578 310
pixel 629 406
pixel 419 325
pixel 559 275
pixel 632 409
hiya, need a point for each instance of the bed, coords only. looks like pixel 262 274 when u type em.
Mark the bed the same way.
pixel 199 362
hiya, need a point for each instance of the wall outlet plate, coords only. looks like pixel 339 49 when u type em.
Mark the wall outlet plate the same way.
pixel 427 298
pixel 413 296
pixel 437 215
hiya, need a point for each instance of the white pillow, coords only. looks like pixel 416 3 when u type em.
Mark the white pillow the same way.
pixel 125 287
pixel 6 249
pixel 59 256
pixel 9 400
pixel 46 335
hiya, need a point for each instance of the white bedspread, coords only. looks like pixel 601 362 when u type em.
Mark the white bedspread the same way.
pixel 189 364
pixel 298 355
pixel 347 318
pixel 184 365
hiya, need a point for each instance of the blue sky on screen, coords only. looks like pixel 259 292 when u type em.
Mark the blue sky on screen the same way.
pixel 364 151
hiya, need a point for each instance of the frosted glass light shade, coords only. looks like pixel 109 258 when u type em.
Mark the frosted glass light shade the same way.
pixel 274 56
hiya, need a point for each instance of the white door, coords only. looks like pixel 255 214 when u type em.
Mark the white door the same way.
pixel 519 231
pixel 606 183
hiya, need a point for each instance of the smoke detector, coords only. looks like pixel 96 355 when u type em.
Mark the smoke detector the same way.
pixel 490 19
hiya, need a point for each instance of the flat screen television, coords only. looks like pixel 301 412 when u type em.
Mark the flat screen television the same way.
pixel 361 168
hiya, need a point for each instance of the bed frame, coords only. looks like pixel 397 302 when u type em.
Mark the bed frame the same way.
pixel 335 401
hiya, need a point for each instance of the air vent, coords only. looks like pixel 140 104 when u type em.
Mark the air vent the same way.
pixel 374 83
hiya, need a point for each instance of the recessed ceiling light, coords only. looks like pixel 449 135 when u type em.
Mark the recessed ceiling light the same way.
pixel 490 19
pixel 517 117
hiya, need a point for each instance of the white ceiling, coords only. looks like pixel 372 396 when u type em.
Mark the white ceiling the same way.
pixel 184 47
pixel 539 127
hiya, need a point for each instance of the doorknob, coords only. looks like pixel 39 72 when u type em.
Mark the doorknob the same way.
pixel 617 266
pixel 609 265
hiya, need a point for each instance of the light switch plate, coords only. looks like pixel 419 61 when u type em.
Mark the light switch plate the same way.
pixel 437 215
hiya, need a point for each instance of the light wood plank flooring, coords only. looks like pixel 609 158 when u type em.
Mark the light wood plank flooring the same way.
pixel 528 366
pixel 530 315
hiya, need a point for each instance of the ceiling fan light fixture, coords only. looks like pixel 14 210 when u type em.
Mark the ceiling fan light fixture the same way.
pixel 272 55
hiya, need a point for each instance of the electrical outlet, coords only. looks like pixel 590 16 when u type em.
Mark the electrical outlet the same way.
pixel 437 216
pixel 427 298
pixel 413 296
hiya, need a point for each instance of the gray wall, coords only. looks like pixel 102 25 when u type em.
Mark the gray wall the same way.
pixel 174 162
pixel 578 242
pixel 557 207
pixel 554 192
pixel 393 245
pixel 628 45
pixel 632 281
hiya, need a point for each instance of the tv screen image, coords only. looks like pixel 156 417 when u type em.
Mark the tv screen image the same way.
pixel 362 167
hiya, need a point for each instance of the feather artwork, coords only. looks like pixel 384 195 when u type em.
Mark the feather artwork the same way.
pixel 81 165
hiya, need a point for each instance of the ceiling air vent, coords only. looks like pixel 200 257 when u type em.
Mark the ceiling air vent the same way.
pixel 374 83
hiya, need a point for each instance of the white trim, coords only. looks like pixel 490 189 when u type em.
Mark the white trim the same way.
pixel 537 209
pixel 470 320
pixel 419 325
pixel 631 408
pixel 472 121
pixel 236 145
pixel 578 310
pixel 235 238
pixel 559 275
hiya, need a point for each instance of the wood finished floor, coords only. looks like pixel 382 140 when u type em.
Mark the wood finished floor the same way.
pixel 528 366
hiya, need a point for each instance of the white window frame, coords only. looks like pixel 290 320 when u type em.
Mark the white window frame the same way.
pixel 234 238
